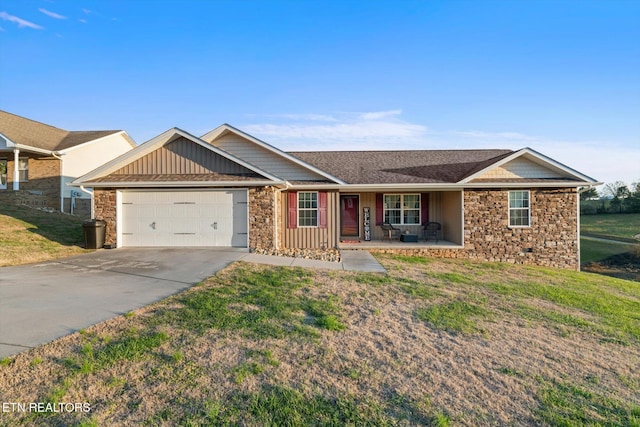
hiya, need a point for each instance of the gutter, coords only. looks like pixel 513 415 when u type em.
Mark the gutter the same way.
pixel 90 193
pixel 439 186
pixel 58 156
pixel 177 184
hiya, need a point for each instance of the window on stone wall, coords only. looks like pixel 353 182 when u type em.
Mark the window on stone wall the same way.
pixel 23 169
pixel 519 209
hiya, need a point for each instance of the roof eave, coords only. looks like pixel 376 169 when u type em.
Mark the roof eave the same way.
pixel 173 184
pixel 118 132
pixel 441 186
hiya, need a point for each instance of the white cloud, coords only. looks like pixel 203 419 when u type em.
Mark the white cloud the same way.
pixel 22 23
pixel 84 21
pixel 2 29
pixel 52 14
pixel 342 131
pixel 376 115
pixel 86 11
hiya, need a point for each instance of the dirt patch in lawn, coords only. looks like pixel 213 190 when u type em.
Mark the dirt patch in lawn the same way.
pixel 378 361
pixel 624 266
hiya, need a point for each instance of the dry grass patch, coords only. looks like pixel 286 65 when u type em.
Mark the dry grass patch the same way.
pixel 435 342
pixel 31 235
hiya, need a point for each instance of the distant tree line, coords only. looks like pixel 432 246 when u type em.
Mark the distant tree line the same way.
pixel 616 197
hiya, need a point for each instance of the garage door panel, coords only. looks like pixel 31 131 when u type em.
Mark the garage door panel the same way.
pixel 184 218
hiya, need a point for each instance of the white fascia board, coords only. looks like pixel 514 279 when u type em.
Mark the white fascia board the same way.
pixel 182 184
pixel 155 143
pixel 537 158
pixel 33 149
pixel 123 133
pixel 215 133
pixel 437 186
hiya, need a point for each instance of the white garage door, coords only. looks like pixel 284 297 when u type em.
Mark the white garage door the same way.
pixel 184 218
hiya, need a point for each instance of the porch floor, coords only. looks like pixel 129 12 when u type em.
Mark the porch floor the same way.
pixel 395 244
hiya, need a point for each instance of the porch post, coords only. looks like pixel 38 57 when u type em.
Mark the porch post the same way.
pixel 16 170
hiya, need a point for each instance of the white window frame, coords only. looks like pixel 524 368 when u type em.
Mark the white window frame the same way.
pixel 23 171
pixel 402 209
pixel 528 208
pixel 316 209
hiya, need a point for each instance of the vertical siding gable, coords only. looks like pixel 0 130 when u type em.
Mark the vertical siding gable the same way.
pixel 182 157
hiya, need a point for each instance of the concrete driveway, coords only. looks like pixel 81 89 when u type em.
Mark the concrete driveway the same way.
pixel 42 302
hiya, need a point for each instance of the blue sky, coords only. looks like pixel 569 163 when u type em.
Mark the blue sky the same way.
pixel 562 77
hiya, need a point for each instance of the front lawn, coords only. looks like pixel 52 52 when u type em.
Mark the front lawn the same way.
pixel 435 342
pixel 31 235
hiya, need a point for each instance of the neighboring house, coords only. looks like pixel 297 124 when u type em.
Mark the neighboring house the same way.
pixel 228 188
pixel 37 161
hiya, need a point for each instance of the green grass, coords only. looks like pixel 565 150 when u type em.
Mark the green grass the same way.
pixel 594 250
pixel 30 235
pixel 261 305
pixel 454 316
pixel 614 225
pixel 566 404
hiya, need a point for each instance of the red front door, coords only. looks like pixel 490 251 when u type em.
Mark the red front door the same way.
pixel 349 220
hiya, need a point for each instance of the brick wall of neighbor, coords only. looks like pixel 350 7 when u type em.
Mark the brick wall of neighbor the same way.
pixel 105 209
pixel 44 176
pixel 550 241
pixel 261 218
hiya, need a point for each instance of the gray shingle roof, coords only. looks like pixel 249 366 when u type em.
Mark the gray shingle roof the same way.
pixel 31 133
pixel 201 177
pixel 402 167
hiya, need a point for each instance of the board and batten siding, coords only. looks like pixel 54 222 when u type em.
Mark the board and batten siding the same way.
pixel 264 159
pixel 182 157
pixel 309 237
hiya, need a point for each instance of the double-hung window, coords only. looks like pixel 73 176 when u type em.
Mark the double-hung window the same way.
pixel 23 169
pixel 308 209
pixel 519 208
pixel 402 209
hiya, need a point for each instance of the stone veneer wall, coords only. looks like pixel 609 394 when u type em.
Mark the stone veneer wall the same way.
pixel 262 214
pixel 551 240
pixel 105 209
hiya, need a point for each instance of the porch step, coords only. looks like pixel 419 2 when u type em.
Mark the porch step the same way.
pixel 359 260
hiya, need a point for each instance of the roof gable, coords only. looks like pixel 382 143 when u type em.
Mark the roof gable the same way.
pixel 265 156
pixel 527 164
pixel 175 153
pixel 182 157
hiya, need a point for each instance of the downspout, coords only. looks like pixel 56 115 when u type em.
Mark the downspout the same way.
pixel 57 156
pixel 582 190
pixel 90 193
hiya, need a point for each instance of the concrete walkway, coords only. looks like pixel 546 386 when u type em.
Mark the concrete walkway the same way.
pixel 45 301
pixel 351 261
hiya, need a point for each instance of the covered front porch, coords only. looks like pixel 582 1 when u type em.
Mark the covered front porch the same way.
pixel 362 214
